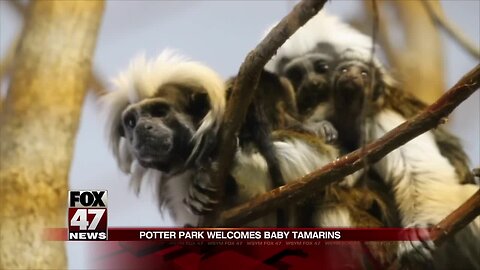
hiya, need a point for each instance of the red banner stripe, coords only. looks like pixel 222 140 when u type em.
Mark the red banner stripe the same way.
pixel 251 234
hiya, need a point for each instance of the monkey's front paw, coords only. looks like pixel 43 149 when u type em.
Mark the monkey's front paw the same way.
pixel 200 194
pixel 324 129
pixel 417 250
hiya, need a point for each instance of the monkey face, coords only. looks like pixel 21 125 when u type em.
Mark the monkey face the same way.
pixel 350 85
pixel 146 125
pixel 159 130
pixel 310 75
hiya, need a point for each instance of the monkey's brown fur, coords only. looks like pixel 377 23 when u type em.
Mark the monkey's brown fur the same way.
pixel 369 206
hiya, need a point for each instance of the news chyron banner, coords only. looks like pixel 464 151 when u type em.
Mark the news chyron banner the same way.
pixel 237 248
pixel 87 215
pixel 217 248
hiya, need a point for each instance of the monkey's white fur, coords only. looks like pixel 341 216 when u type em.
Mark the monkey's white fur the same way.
pixel 322 28
pixel 140 81
pixel 296 158
pixel 424 183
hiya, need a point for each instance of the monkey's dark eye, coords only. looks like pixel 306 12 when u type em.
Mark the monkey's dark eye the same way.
pixel 159 110
pixel 321 67
pixel 364 73
pixel 344 70
pixel 294 73
pixel 130 120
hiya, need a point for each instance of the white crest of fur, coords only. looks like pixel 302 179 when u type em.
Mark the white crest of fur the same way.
pixel 322 28
pixel 141 80
pixel 365 55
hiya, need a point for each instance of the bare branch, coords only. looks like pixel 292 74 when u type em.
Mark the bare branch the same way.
pixel 36 141
pixel 338 169
pixel 384 38
pixel 438 17
pixel 457 220
pixel 246 82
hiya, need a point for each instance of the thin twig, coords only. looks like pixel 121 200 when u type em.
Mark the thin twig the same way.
pixel 338 169
pixel 439 18
pixel 457 220
pixel 245 84
pixel 367 100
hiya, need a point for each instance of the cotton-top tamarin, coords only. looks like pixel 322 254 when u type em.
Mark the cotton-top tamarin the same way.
pixel 427 174
pixel 162 123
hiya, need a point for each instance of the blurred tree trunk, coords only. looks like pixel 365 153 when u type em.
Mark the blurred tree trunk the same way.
pixel 38 124
pixel 421 63
pixel 417 53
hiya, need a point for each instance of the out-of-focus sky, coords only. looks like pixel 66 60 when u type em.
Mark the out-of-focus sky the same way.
pixel 219 34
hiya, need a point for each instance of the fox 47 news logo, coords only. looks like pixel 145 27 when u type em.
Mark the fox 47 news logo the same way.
pixel 87 215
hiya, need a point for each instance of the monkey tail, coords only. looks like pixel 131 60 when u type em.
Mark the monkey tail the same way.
pixel 262 138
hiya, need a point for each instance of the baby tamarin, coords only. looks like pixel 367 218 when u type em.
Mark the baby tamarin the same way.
pixel 275 100
pixel 274 108
pixel 420 174
pixel 162 120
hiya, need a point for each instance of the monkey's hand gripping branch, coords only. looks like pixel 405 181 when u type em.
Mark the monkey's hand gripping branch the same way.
pixel 243 91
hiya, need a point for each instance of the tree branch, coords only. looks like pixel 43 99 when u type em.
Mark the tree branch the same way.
pixel 438 17
pixel 348 164
pixel 245 84
pixel 450 225
pixel 384 27
pixel 458 219
pixel 38 126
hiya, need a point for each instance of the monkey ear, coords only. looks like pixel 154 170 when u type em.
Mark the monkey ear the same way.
pixel 199 105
